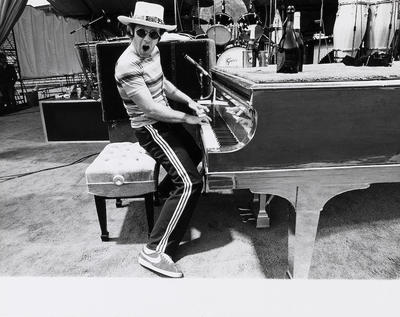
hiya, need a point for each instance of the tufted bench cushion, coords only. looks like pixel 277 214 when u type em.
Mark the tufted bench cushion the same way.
pixel 121 170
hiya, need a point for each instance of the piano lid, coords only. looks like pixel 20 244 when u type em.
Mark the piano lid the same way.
pixel 318 75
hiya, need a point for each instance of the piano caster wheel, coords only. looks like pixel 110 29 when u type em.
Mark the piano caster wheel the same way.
pixel 105 237
pixel 263 221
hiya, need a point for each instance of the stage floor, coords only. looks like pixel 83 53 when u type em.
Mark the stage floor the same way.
pixel 49 225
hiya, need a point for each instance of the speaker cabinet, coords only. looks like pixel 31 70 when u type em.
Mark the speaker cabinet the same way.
pixel 175 67
pixel 73 121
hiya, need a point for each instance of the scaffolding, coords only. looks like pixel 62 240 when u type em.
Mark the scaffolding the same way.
pixel 8 47
pixel 43 87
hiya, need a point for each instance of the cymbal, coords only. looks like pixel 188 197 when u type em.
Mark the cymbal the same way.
pixel 194 19
pixel 201 3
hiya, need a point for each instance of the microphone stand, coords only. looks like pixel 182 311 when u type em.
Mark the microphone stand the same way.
pixel 86 26
pixel 202 73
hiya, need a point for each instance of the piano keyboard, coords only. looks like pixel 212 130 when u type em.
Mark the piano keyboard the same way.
pixel 217 134
pixel 209 138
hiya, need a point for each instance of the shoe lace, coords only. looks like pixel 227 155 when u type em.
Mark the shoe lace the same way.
pixel 167 258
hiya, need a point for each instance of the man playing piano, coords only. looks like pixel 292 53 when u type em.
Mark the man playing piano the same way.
pixel 158 128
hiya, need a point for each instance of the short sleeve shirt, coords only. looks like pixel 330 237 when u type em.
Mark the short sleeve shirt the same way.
pixel 133 75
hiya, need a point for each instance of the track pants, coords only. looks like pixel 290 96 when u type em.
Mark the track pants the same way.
pixel 174 148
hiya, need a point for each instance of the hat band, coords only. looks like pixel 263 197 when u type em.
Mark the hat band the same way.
pixel 149 18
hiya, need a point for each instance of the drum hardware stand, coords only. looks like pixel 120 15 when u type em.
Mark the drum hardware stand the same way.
pixel 197 15
pixel 393 13
pixel 275 27
pixel 320 29
pixel 354 29
pixel 396 45
pixel 176 12
pixel 269 28
pixel 214 18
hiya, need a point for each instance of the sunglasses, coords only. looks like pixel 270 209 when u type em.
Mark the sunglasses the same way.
pixel 152 34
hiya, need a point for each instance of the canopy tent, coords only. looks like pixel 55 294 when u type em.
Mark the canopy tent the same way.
pixel 310 9
pixel 93 8
pixel 87 8
pixel 10 11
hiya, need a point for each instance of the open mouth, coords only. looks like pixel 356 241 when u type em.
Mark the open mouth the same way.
pixel 146 48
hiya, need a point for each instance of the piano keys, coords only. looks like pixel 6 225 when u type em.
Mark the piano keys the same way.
pixel 306 137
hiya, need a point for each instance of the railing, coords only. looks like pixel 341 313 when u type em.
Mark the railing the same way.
pixel 49 87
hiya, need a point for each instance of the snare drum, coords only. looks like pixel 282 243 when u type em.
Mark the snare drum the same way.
pixel 221 31
pixel 247 20
pixel 232 57
pixel 382 13
pixel 346 41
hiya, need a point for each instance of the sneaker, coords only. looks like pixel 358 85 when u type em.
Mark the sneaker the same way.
pixel 159 262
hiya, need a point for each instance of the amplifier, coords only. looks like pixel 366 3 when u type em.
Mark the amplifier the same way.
pixel 73 121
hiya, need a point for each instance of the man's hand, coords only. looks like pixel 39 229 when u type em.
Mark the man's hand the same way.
pixel 201 119
pixel 198 108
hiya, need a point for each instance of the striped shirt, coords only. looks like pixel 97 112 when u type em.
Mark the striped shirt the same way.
pixel 135 74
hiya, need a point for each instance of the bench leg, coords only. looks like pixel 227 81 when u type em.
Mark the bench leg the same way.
pixel 102 215
pixel 148 200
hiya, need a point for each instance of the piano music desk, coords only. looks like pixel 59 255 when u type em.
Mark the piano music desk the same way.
pixel 310 136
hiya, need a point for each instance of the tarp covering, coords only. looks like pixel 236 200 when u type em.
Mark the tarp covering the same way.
pixel 10 10
pixel 88 8
pixel 45 46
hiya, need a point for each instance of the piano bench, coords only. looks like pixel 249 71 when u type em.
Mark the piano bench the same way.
pixel 122 170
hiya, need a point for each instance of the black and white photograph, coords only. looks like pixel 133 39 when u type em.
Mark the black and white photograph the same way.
pixel 199 157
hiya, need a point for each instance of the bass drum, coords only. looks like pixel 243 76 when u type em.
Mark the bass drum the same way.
pixel 379 36
pixel 346 41
pixel 232 57
pixel 245 22
pixel 221 31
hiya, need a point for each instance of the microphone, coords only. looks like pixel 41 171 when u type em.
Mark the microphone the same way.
pixel 105 16
pixel 197 65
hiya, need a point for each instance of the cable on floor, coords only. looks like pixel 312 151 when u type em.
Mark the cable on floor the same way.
pixel 6 178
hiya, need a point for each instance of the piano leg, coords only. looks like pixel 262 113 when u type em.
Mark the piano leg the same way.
pixel 260 212
pixel 310 200
pixel 303 226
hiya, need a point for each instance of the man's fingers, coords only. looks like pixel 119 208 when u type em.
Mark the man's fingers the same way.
pixel 205 119
pixel 205 108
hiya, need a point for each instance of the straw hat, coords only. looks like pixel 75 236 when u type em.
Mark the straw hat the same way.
pixel 148 14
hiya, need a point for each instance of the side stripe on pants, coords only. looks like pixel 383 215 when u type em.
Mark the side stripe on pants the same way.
pixel 186 182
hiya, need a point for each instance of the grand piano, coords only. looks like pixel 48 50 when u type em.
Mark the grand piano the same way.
pixel 306 137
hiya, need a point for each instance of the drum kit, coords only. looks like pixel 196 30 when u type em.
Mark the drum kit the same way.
pixel 371 21
pixel 231 37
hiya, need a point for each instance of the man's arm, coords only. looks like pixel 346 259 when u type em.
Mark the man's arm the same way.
pixel 175 94
pixel 152 110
